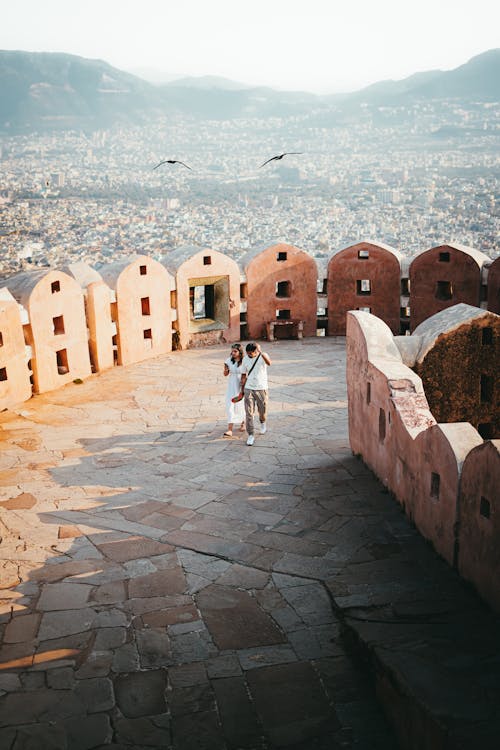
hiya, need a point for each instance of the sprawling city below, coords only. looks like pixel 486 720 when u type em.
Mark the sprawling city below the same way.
pixel 411 177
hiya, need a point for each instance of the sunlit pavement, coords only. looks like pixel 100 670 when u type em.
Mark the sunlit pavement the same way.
pixel 166 587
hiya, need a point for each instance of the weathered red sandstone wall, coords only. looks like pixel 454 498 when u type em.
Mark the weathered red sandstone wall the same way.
pixel 479 521
pixel 461 375
pixel 281 277
pixel 363 276
pixel 441 277
pixel 494 286
pixel 392 428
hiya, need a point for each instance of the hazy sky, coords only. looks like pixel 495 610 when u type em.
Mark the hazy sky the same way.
pixel 315 45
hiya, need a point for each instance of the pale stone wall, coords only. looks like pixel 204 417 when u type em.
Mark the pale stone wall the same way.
pixel 15 384
pixel 221 274
pixel 418 460
pixel 102 329
pixel 57 329
pixel 142 312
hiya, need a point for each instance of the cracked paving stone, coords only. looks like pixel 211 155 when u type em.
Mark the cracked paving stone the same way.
pixel 141 693
pixel 235 619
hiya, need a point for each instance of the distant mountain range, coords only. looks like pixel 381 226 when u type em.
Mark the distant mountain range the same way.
pixel 41 90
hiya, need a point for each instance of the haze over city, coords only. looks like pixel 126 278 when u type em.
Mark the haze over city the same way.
pixel 318 46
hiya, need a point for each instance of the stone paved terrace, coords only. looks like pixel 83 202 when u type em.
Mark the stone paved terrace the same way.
pixel 164 587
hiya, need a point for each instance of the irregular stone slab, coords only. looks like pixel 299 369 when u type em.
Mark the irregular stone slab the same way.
pixel 254 658
pixel 61 596
pixel 237 713
pixel 48 736
pixel 187 675
pixel 152 732
pixel 21 628
pixel 244 577
pixel 291 703
pixel 133 548
pixel 196 731
pixel 226 665
pixel 141 693
pixel 96 694
pixel 58 624
pixel 235 619
pixel 88 732
pixel 162 618
pixel 24 501
pixel 153 647
pixel 42 706
pixel 160 583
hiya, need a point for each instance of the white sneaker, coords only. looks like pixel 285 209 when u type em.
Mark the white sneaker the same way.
pixel 263 428
pixel 250 440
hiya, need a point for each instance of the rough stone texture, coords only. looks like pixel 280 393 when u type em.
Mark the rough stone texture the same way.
pixel 113 639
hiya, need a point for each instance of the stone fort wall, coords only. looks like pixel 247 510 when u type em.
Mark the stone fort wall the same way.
pixel 58 326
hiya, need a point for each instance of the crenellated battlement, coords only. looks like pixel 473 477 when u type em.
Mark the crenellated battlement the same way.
pixel 60 325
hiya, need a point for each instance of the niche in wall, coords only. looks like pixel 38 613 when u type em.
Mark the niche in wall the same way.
pixel 208 303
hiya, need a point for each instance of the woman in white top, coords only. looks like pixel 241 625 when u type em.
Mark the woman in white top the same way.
pixel 232 369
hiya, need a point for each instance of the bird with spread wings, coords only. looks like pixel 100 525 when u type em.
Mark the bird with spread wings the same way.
pixel 279 156
pixel 171 161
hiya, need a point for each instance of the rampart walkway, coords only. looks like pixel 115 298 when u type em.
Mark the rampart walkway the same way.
pixel 165 587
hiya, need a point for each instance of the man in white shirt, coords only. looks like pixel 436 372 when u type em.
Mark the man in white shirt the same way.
pixel 254 383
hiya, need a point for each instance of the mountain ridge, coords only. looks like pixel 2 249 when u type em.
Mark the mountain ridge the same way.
pixel 40 90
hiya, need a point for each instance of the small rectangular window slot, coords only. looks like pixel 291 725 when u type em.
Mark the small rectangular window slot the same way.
pixel 207 260
pixel 444 290
pixel 143 270
pixel 444 257
pixel 363 286
pixel 283 288
pixel 485 508
pixel 1 339
pixel 364 309
pixel 173 299
pixel 145 306
pixel 55 287
pixel 486 388
pixel 3 374
pixel 281 256
pixel 381 425
pixel 435 483
pixel 243 291
pixel 62 361
pixel 283 314
pixel 486 336
pixel 58 324
pixel 368 392
pixel 363 254
pixel 148 333
pixel 405 287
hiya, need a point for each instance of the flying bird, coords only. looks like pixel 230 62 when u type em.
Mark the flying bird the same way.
pixel 171 161
pixel 280 156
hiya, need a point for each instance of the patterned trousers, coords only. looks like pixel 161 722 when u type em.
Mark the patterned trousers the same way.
pixel 253 400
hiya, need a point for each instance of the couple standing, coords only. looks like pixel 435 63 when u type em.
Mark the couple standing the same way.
pixel 248 376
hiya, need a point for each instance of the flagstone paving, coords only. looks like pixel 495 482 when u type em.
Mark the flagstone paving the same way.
pixel 165 587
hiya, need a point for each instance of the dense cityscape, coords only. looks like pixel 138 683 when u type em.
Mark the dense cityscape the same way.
pixel 410 177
